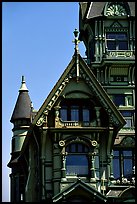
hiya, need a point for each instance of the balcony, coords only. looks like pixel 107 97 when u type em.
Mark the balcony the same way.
pixel 73 124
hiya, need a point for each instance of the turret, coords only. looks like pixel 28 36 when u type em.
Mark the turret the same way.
pixel 21 119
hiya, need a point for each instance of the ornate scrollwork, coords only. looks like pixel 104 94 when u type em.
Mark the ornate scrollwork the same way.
pixel 116 10
pixel 41 120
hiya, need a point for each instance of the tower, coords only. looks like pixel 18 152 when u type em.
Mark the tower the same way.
pixel 108 32
pixel 21 119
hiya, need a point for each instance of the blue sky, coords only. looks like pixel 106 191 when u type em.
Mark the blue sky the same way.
pixel 37 43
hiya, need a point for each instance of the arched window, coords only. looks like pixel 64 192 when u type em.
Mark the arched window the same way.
pixel 77 161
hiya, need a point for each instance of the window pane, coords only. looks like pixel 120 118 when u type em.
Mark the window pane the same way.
pixel 127 153
pixel 111 45
pixel 127 167
pixel 63 114
pixel 76 165
pixel 74 113
pixel 80 148
pixel 111 36
pixel 126 113
pixel 85 115
pixel 119 100
pixel 122 36
pixel 116 168
pixel 115 153
pixel 72 148
pixel 118 36
pixel 128 123
pixel 123 45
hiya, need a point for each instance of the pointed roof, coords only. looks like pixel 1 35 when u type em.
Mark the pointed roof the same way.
pixel 23 105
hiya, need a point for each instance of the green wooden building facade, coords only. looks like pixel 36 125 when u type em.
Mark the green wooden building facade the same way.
pixel 80 145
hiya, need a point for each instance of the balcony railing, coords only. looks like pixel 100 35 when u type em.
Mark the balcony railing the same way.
pixel 120 53
pixel 73 124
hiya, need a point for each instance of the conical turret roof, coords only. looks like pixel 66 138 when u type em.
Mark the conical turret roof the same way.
pixel 22 108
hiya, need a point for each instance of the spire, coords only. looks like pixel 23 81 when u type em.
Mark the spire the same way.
pixel 76 41
pixel 22 108
pixel 23 85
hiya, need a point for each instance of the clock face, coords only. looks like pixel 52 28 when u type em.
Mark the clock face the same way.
pixel 116 10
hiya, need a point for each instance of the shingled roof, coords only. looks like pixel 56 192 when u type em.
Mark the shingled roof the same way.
pixel 22 108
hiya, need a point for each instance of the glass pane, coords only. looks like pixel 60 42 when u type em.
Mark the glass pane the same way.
pixel 72 147
pixel 126 113
pixel 63 114
pixel 128 123
pixel 118 36
pixel 85 115
pixel 76 165
pixel 74 113
pixel 115 153
pixel 121 36
pixel 111 35
pixel 80 148
pixel 111 45
pixel 119 100
pixel 127 167
pixel 123 45
pixel 127 153
pixel 116 168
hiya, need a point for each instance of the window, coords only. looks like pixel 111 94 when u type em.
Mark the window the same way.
pixel 117 41
pixel 77 110
pixel 77 162
pixel 129 117
pixel 123 163
pixel 122 100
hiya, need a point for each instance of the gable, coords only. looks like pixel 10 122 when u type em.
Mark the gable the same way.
pixel 79 191
pixel 85 83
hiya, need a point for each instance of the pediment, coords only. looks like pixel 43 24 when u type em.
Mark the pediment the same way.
pixel 80 191
pixel 81 81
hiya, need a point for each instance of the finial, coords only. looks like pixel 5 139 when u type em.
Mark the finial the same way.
pixel 23 79
pixel 76 41
pixel 23 85
pixel 76 33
